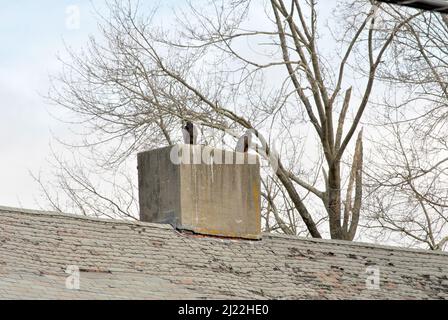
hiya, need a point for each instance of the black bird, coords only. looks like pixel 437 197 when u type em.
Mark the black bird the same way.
pixel 244 142
pixel 190 133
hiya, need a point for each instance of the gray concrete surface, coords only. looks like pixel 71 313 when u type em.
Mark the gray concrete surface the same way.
pixel 198 188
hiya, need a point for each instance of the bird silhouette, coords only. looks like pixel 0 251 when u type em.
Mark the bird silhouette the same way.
pixel 190 133
pixel 244 142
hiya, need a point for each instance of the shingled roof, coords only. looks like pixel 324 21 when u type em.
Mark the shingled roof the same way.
pixel 136 260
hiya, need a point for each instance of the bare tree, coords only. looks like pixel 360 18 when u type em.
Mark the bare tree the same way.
pixel 218 68
pixel 99 193
pixel 408 191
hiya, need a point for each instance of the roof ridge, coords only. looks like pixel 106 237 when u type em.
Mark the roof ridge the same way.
pixel 269 235
pixel 357 244
pixel 80 217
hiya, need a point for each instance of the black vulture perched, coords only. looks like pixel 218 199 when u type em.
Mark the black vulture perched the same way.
pixel 190 133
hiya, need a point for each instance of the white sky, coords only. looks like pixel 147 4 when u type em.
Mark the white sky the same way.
pixel 32 33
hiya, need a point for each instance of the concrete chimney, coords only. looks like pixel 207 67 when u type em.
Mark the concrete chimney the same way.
pixel 201 189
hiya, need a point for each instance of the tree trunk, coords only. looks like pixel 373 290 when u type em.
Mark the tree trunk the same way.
pixel 334 201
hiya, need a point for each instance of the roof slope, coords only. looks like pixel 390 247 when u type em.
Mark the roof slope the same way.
pixel 125 260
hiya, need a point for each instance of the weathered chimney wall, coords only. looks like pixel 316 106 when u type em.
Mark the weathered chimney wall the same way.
pixel 201 189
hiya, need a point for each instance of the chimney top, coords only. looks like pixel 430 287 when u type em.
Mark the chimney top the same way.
pixel 201 189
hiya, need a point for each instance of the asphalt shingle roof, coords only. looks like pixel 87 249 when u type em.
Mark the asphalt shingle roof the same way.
pixel 137 260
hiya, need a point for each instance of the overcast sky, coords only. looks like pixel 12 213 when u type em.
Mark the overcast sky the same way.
pixel 32 33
